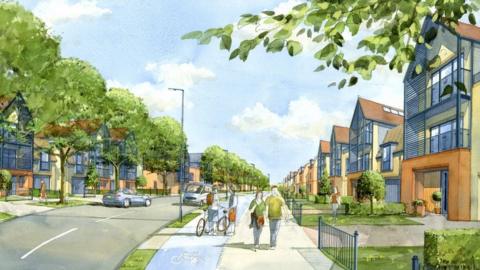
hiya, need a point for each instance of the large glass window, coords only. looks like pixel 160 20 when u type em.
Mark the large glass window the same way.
pixel 442 137
pixel 387 158
pixel 447 75
pixel 79 166
pixel 44 161
pixel 9 158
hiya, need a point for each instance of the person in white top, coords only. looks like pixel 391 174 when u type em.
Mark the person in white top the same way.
pixel 213 212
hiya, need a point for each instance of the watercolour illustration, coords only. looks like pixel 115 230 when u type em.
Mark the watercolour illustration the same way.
pixel 239 134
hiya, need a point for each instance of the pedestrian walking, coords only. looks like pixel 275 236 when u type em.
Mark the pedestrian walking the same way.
pixel 257 210
pixel 43 191
pixel 275 206
pixel 335 203
pixel 232 208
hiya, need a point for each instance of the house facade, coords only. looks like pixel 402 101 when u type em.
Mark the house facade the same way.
pixel 370 123
pixel 442 106
pixel 311 177
pixel 339 158
pixel 16 143
pixel 194 174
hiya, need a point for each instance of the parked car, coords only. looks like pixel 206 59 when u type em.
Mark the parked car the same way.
pixel 125 198
pixel 196 193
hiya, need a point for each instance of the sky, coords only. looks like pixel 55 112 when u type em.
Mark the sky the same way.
pixel 271 110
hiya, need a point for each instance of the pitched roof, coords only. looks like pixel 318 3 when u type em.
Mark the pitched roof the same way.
pixel 381 113
pixel 89 126
pixel 324 146
pixel 341 134
pixel 118 134
pixel 394 135
pixel 468 31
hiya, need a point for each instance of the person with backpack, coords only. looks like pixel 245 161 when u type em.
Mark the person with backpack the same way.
pixel 213 205
pixel 275 205
pixel 257 212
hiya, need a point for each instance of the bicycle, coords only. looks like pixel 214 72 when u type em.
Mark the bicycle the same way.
pixel 226 221
pixel 202 222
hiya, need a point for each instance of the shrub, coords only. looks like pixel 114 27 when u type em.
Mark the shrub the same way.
pixel 437 196
pixel 458 248
pixel 417 202
pixel 141 181
pixel 393 209
pixel 311 198
pixel 346 201
pixel 380 208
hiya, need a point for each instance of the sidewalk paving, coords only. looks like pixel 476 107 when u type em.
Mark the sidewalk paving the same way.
pixel 21 208
pixel 294 249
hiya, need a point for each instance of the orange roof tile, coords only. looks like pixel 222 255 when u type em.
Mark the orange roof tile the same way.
pixel 468 31
pixel 118 134
pixel 341 134
pixel 376 111
pixel 324 146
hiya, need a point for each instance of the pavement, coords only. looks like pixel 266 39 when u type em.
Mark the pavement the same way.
pixel 399 235
pixel 182 249
pixel 82 237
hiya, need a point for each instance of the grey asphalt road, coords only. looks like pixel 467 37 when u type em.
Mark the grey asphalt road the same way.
pixel 84 237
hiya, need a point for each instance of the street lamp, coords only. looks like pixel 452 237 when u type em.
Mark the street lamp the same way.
pixel 182 158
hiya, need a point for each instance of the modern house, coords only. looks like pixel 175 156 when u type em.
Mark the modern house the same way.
pixel 389 160
pixel 194 167
pixel 311 177
pixel 370 123
pixel 16 143
pixel 323 158
pixel 43 165
pixel 442 109
pixel 339 158
pixel 125 141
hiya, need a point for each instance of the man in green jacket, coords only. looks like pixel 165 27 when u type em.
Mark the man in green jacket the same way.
pixel 275 205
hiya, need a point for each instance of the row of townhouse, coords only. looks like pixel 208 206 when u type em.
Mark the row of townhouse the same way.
pixel 434 145
pixel 29 161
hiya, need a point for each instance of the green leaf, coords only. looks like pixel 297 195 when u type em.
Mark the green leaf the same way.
pixel 234 54
pixel 294 47
pixel 319 68
pixel 447 91
pixel 309 33
pixel 279 17
pixel 353 81
pixel 435 62
pixel 193 35
pixel 326 52
pixel 461 86
pixel 332 84
pixel 300 32
pixel 471 19
pixel 342 84
pixel 226 42
pixel 263 34
pixel 276 45
pixel 300 7
pixel 266 41
pixel 268 12
pixel 418 68
pixel 431 34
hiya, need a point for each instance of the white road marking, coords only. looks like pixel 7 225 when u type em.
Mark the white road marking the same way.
pixel 48 241
pixel 105 219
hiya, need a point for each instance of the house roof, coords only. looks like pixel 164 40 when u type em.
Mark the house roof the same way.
pixel 341 134
pixel 394 135
pixel 324 146
pixel 381 113
pixel 118 134
pixel 468 30
pixel 89 126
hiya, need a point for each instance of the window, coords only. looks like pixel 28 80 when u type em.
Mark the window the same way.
pixel 9 158
pixel 387 158
pixel 38 180
pixel 442 137
pixel 79 166
pixel 447 75
pixel 366 162
pixel 44 161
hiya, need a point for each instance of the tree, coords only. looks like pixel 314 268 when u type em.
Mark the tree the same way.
pixel 371 185
pixel 166 143
pixel 325 185
pixel 92 179
pixel 27 51
pixel 141 181
pixel 76 94
pixel 5 181
pixel 392 29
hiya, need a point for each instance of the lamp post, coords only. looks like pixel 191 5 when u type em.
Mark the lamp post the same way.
pixel 182 158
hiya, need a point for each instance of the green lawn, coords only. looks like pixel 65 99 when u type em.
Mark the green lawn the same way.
pixel 186 219
pixel 70 203
pixel 344 220
pixel 138 260
pixel 392 258
pixel 317 206
pixel 5 216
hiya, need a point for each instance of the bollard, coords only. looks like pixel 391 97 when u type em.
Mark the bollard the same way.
pixel 355 250
pixel 415 263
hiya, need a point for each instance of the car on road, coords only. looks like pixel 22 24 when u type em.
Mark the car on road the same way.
pixel 125 198
pixel 196 193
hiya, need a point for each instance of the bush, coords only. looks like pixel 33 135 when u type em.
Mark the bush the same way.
pixel 380 208
pixel 346 201
pixel 437 196
pixel 311 198
pixel 457 248
pixel 393 209
pixel 321 199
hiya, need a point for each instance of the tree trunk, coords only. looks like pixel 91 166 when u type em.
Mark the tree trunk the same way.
pixel 117 175
pixel 63 160
pixel 164 180
pixel 371 205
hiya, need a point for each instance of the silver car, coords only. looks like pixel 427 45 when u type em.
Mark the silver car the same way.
pixel 196 193
pixel 125 198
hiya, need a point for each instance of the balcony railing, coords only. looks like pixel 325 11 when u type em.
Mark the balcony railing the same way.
pixel 446 141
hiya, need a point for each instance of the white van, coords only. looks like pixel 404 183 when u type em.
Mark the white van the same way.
pixel 196 193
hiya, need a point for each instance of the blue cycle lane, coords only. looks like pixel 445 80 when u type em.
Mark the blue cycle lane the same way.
pixel 187 251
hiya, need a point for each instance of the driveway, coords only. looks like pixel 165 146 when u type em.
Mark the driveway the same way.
pixel 84 237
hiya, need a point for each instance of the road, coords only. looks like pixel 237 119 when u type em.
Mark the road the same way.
pixel 84 237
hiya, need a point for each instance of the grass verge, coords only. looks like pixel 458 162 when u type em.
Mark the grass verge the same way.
pixel 346 220
pixel 138 260
pixel 5 216
pixel 186 219
pixel 69 203
pixel 392 258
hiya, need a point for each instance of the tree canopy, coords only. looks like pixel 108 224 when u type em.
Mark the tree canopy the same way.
pixel 386 32
pixel 371 185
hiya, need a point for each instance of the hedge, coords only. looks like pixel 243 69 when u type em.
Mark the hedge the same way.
pixel 452 248
pixel 379 208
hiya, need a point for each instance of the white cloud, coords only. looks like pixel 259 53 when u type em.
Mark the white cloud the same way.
pixel 304 120
pixel 60 11
pixel 156 95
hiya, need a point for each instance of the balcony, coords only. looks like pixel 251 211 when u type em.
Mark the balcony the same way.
pixel 446 141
